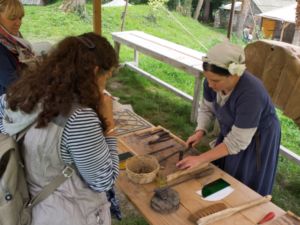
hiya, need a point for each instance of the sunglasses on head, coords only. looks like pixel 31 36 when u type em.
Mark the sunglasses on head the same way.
pixel 87 42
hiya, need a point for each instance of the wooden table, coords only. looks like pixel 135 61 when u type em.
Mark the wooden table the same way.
pixel 181 57
pixel 190 202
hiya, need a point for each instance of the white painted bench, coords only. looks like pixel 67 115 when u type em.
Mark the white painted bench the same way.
pixel 176 55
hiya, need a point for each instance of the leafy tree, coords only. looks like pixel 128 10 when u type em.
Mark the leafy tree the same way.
pixel 77 6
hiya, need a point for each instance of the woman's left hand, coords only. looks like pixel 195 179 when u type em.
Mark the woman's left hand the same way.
pixel 189 162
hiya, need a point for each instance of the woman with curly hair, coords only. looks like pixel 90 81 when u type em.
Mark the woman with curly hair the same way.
pixel 68 120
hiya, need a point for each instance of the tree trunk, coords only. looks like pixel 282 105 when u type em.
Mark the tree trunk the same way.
pixel 198 9
pixel 77 6
pixel 206 11
pixel 187 8
pixel 296 39
pixel 242 17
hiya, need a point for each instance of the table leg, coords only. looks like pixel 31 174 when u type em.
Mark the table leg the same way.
pixel 136 58
pixel 117 48
pixel 196 98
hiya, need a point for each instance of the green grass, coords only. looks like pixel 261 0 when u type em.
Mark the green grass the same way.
pixel 149 100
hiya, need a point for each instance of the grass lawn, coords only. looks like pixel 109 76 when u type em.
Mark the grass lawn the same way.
pixel 152 102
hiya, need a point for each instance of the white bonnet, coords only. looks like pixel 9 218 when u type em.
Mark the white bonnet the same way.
pixel 227 56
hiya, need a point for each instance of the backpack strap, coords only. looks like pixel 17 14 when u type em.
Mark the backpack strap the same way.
pixel 49 188
pixel 66 173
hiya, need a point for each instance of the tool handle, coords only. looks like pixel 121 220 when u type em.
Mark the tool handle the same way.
pixel 180 173
pixel 198 175
pixel 230 211
pixel 291 214
pixel 267 218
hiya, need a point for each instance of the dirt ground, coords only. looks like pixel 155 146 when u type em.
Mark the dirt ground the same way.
pixel 129 212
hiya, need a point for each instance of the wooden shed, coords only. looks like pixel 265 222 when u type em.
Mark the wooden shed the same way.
pixel 279 24
pixel 257 7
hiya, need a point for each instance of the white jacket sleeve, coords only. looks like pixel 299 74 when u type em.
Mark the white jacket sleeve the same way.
pixel 238 139
pixel 205 115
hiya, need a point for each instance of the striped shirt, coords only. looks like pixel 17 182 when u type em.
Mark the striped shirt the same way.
pixel 84 144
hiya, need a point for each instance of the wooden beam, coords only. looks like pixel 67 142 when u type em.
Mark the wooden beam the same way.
pixel 97 16
pixel 230 19
pixel 292 156
pixel 284 25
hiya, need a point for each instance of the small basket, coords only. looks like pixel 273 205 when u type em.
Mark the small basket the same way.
pixel 142 169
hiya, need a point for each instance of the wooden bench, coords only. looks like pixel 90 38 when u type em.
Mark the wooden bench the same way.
pixel 176 55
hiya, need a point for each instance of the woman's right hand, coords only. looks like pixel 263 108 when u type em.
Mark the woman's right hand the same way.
pixel 195 138
pixel 106 110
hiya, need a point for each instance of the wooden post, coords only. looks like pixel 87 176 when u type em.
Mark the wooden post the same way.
pixel 196 98
pixel 230 19
pixel 97 16
pixel 124 15
pixel 284 25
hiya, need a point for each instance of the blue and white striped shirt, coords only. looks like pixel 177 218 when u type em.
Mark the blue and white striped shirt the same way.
pixel 84 144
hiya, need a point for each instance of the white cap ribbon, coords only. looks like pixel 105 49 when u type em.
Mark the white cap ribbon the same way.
pixel 236 69
pixel 228 56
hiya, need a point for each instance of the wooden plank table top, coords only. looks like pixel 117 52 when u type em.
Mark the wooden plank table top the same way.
pixel 190 202
pixel 179 56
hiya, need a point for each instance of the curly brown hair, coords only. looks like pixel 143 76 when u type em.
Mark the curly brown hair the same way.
pixel 65 77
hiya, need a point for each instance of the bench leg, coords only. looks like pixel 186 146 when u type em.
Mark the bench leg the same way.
pixel 196 98
pixel 117 48
pixel 136 58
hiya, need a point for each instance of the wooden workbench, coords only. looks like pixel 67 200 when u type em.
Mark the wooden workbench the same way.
pixel 190 202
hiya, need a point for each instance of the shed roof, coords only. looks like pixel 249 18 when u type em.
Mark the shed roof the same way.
pixel 285 14
pixel 268 5
pixel 263 5
pixel 237 6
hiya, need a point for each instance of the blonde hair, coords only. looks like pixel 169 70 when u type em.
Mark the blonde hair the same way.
pixel 11 9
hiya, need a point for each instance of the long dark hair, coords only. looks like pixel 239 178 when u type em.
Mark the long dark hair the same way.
pixel 215 69
pixel 64 77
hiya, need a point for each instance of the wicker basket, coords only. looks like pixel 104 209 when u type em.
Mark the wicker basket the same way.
pixel 142 169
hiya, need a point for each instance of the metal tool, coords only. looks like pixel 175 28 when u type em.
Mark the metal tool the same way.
pixel 170 155
pixel 149 133
pixel 162 191
pixel 160 139
pixel 180 155
pixel 191 150
pixel 201 174
pixel 180 173
pixel 161 149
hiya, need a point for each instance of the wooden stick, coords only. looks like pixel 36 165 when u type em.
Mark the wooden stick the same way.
pixel 230 211
pixel 290 213
pixel 181 173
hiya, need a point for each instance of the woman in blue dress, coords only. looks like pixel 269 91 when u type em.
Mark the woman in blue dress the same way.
pixel 248 144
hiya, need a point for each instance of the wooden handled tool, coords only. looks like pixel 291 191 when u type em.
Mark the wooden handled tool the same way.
pixel 267 218
pixel 287 219
pixel 181 173
pixel 230 211
pixel 206 172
